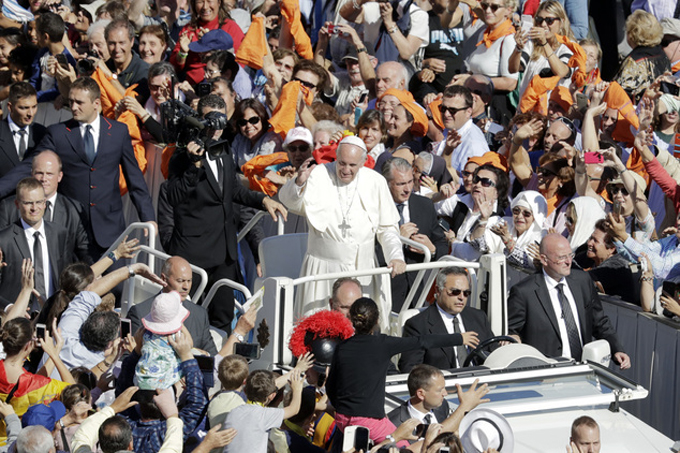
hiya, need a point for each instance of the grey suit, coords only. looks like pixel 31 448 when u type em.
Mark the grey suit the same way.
pixel 15 249
pixel 197 323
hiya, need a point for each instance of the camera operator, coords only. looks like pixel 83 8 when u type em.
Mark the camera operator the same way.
pixel 201 188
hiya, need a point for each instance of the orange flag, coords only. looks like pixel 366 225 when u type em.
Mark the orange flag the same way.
pixel 255 170
pixel 254 45
pixel 290 9
pixel 166 154
pixel 283 118
pixel 110 96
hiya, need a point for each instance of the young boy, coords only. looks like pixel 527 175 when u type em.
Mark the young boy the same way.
pixel 254 420
pixel 232 373
pixel 50 30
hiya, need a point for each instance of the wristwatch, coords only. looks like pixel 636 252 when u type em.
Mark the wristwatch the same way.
pixel 112 256
pixel 239 337
pixel 131 273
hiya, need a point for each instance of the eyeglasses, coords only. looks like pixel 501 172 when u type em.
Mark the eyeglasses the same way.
pixel 548 20
pixel 452 110
pixel 616 189
pixel 494 6
pixel 561 259
pixel 212 73
pixel 252 120
pixel 466 174
pixel 456 292
pixel 304 83
pixel 518 211
pixel 545 172
pixel 301 148
pixel 485 182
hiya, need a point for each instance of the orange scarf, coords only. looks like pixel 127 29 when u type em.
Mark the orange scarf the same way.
pixel 283 118
pixel 256 167
pixel 254 45
pixel 436 113
pixel 505 28
pixel 290 10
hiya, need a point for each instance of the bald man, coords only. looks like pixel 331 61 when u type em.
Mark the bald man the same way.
pixel 59 209
pixel 177 274
pixel 558 310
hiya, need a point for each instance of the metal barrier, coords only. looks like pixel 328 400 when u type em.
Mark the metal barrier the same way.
pixel 419 277
pixel 253 221
pixel 231 284
pixel 150 236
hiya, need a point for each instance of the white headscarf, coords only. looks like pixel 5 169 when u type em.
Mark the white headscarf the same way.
pixel 535 202
pixel 588 212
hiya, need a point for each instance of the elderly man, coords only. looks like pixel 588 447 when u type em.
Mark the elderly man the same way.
pixel 418 221
pixel 558 310
pixel 177 275
pixel 585 435
pixel 449 315
pixel 464 139
pixel 347 207
pixel 346 291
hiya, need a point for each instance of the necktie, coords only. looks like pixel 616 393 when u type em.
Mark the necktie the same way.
pixel 220 173
pixel 88 140
pixel 38 264
pixel 400 208
pixel 572 329
pixel 48 211
pixel 461 352
pixel 427 420
pixel 22 143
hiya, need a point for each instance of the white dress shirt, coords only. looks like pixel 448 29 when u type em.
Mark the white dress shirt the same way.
pixel 52 200
pixel 406 213
pixel 472 143
pixel 96 128
pixel 415 413
pixel 448 322
pixel 29 231
pixel 13 127
pixel 554 299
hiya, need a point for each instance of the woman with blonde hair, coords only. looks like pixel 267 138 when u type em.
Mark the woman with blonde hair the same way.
pixel 647 60
pixel 546 49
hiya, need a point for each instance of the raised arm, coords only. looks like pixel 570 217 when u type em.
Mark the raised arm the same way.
pixel 518 156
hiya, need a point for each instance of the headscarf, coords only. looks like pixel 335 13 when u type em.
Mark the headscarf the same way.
pixel 420 123
pixel 534 202
pixel 588 212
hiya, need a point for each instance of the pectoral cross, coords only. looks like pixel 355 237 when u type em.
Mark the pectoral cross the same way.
pixel 344 226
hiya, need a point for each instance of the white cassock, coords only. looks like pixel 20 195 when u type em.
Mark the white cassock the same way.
pixel 344 221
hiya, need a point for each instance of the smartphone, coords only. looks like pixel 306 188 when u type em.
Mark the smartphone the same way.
pixel 617 208
pixel 527 22
pixel 203 89
pixel 592 157
pixel 444 225
pixel 581 101
pixel 363 97
pixel 205 362
pixel 125 327
pixel 61 59
pixel 356 437
pixel 421 430
pixel 669 88
pixel 40 330
pixel 248 350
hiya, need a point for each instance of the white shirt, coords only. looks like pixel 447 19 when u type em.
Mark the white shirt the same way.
pixel 406 213
pixel 472 143
pixel 17 137
pixel 52 201
pixel 29 231
pixel 96 127
pixel 420 416
pixel 212 164
pixel 448 322
pixel 554 299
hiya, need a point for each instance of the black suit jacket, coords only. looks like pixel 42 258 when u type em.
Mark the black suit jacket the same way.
pixel 197 323
pixel 96 186
pixel 15 248
pixel 204 216
pixel 401 414
pixel 430 322
pixel 9 156
pixel 66 213
pixel 532 317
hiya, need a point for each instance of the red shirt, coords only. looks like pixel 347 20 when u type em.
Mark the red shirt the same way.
pixel 193 67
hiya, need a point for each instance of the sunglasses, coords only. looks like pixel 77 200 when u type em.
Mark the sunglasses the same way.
pixel 494 6
pixel 616 189
pixel 252 120
pixel 304 83
pixel 456 292
pixel 518 211
pixel 547 20
pixel 485 182
pixel 466 174
pixel 452 110
pixel 545 172
pixel 301 148
pixel 665 42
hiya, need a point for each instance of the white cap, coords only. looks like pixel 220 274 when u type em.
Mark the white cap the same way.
pixel 353 140
pixel 298 134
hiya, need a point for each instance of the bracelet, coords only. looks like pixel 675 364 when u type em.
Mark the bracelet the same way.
pixel 646 279
pixel 548 57
pixel 580 172
pixel 182 54
pixel 623 171
pixel 131 273
pixel 390 437
pixel 107 364
pixel 392 30
pixel 362 49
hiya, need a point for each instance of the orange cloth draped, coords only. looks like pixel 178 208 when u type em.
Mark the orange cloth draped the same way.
pixel 436 113
pixel 256 168
pixel 253 48
pixel 166 154
pixel 505 28
pixel 420 123
pixel 290 10
pixel 492 158
pixel 535 97
pixel 110 96
pixel 326 155
pixel 283 118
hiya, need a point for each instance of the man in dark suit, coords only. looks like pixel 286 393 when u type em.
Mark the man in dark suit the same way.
pixel 59 209
pixel 427 389
pixel 31 238
pixel 449 314
pixel 558 310
pixel 18 135
pixel 201 189
pixel 177 274
pixel 418 221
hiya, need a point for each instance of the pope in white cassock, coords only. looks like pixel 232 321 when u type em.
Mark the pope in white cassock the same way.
pixel 347 206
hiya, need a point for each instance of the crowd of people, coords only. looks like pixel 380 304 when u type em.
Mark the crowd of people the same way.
pixel 386 131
